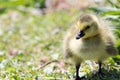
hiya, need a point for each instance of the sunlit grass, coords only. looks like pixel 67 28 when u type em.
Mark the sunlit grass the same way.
pixel 25 39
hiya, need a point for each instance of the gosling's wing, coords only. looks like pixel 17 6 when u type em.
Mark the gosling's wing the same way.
pixel 111 50
pixel 68 53
pixel 69 35
pixel 110 45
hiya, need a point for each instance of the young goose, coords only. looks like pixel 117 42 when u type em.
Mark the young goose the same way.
pixel 89 39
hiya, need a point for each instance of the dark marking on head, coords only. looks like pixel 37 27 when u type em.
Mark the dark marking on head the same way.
pixel 86 18
pixel 94 24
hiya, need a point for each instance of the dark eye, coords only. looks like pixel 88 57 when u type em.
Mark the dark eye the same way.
pixel 87 27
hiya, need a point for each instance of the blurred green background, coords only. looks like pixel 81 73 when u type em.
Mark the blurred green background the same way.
pixel 31 34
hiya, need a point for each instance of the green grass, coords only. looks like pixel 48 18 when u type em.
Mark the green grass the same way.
pixel 27 41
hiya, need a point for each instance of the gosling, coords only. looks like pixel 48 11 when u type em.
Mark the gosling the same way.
pixel 90 38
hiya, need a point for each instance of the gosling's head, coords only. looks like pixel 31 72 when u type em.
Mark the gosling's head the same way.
pixel 87 26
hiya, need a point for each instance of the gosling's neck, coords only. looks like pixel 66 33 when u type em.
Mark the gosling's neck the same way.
pixel 97 36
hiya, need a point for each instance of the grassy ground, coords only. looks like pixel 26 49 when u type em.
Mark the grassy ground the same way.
pixel 28 41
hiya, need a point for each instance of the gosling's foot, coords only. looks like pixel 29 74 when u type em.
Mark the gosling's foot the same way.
pixel 101 75
pixel 80 78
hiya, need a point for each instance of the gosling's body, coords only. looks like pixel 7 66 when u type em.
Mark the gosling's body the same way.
pixel 92 48
pixel 95 41
pixel 89 49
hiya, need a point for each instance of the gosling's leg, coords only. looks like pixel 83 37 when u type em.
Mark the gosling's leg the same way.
pixel 77 72
pixel 100 67
pixel 100 72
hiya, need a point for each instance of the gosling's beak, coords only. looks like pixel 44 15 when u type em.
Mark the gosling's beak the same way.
pixel 80 34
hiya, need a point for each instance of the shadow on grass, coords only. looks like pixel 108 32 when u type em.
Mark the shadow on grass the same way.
pixel 107 75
